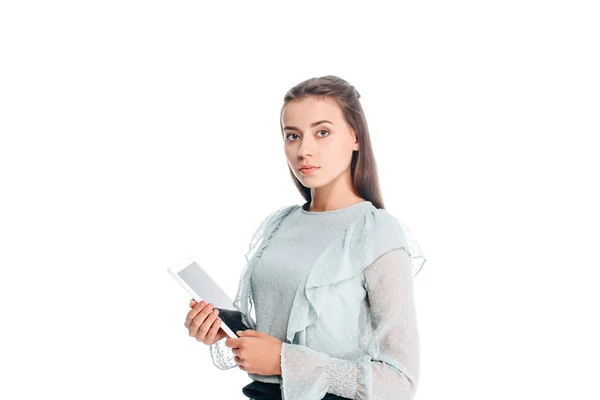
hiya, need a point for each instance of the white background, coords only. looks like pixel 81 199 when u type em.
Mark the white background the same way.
pixel 135 132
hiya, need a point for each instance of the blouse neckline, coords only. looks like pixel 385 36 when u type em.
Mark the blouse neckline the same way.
pixel 345 209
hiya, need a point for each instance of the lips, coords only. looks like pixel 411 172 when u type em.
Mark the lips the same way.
pixel 307 171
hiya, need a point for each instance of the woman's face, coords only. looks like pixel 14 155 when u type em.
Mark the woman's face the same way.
pixel 307 138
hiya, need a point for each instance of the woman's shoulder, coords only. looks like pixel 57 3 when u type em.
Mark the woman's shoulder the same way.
pixel 382 231
pixel 269 223
pixel 280 213
pixel 381 222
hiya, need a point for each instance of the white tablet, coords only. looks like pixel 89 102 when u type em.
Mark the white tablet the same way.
pixel 200 286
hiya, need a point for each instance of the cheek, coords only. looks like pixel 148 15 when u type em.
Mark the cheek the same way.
pixel 339 153
pixel 289 153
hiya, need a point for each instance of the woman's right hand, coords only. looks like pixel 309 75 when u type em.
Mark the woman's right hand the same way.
pixel 203 323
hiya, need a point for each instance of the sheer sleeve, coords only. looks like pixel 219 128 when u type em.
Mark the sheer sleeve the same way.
pixel 391 369
pixel 222 356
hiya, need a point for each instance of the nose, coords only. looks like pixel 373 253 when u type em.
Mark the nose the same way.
pixel 304 154
pixel 305 149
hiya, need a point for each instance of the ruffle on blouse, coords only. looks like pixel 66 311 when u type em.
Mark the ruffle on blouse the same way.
pixel 259 241
pixel 371 235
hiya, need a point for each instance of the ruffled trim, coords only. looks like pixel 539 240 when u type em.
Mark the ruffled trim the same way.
pixel 222 356
pixel 412 247
pixel 260 240
pixel 377 232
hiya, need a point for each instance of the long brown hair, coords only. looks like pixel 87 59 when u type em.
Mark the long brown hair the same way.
pixel 363 166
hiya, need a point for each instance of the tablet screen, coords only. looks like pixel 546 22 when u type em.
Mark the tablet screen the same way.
pixel 204 286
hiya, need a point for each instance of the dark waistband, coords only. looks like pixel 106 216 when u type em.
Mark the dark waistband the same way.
pixel 258 390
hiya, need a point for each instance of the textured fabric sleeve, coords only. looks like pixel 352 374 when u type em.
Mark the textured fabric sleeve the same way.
pixel 222 356
pixel 391 370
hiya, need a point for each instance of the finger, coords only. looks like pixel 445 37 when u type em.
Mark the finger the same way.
pixel 233 343
pixel 204 327
pixel 214 330
pixel 211 335
pixel 193 313
pixel 238 361
pixel 198 320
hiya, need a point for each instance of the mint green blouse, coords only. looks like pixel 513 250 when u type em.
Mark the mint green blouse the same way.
pixel 336 287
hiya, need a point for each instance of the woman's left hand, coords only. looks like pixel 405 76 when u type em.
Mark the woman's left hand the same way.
pixel 256 352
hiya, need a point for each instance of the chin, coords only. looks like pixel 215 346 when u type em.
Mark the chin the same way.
pixel 308 183
pixel 312 185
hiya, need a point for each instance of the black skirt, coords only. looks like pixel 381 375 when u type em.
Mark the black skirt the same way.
pixel 257 390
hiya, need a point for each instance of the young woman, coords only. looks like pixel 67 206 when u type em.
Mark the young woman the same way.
pixel 331 280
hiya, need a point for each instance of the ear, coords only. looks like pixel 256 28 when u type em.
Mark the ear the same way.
pixel 356 143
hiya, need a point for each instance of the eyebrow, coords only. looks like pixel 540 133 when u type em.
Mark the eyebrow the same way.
pixel 311 125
